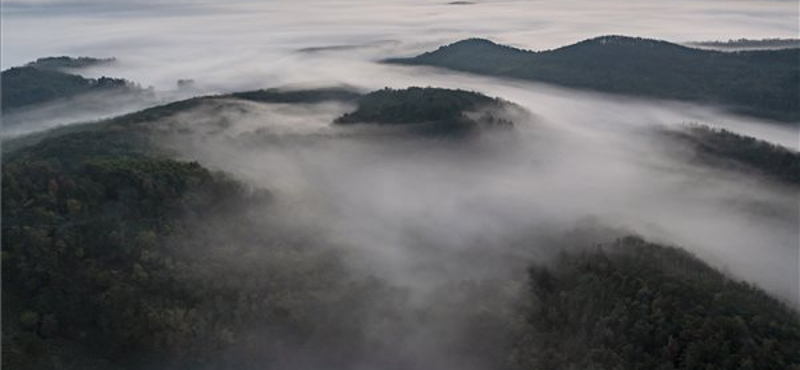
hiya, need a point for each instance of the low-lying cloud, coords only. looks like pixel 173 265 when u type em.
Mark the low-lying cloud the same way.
pixel 423 210
pixel 426 214
pixel 582 155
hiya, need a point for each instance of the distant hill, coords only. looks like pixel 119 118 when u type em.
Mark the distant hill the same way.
pixel 42 82
pixel 759 83
pixel 65 62
pixel 430 110
pixel 142 117
pixel 748 44
pixel 299 96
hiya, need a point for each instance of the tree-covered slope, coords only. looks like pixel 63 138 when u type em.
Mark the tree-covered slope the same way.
pixel 116 256
pixel 428 110
pixel 65 62
pixel 29 85
pixel 723 148
pixel 760 83
pixel 299 96
pixel 637 305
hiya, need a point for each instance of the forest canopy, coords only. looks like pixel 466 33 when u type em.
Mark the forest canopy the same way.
pixel 44 81
pixel 639 305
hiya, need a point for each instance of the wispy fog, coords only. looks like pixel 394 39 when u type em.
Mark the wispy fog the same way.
pixel 421 211
pixel 424 214
pixel 580 156
pixel 85 108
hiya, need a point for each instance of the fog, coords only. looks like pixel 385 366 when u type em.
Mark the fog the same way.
pixel 84 108
pixel 242 44
pixel 423 213
pixel 385 195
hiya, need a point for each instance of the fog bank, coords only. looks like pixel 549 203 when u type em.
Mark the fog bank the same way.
pixel 423 211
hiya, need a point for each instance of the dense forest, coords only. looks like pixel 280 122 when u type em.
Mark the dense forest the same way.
pixel 65 62
pixel 299 96
pixel 637 305
pixel 724 148
pixel 759 83
pixel 432 111
pixel 111 258
pixel 43 81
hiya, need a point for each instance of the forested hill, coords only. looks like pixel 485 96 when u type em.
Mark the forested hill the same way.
pixel 748 44
pixel 299 96
pixel 638 305
pixel 760 83
pixel 722 148
pixel 43 81
pixel 65 62
pixel 116 256
pixel 428 110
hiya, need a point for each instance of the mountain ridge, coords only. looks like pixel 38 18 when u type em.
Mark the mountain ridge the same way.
pixel 759 83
